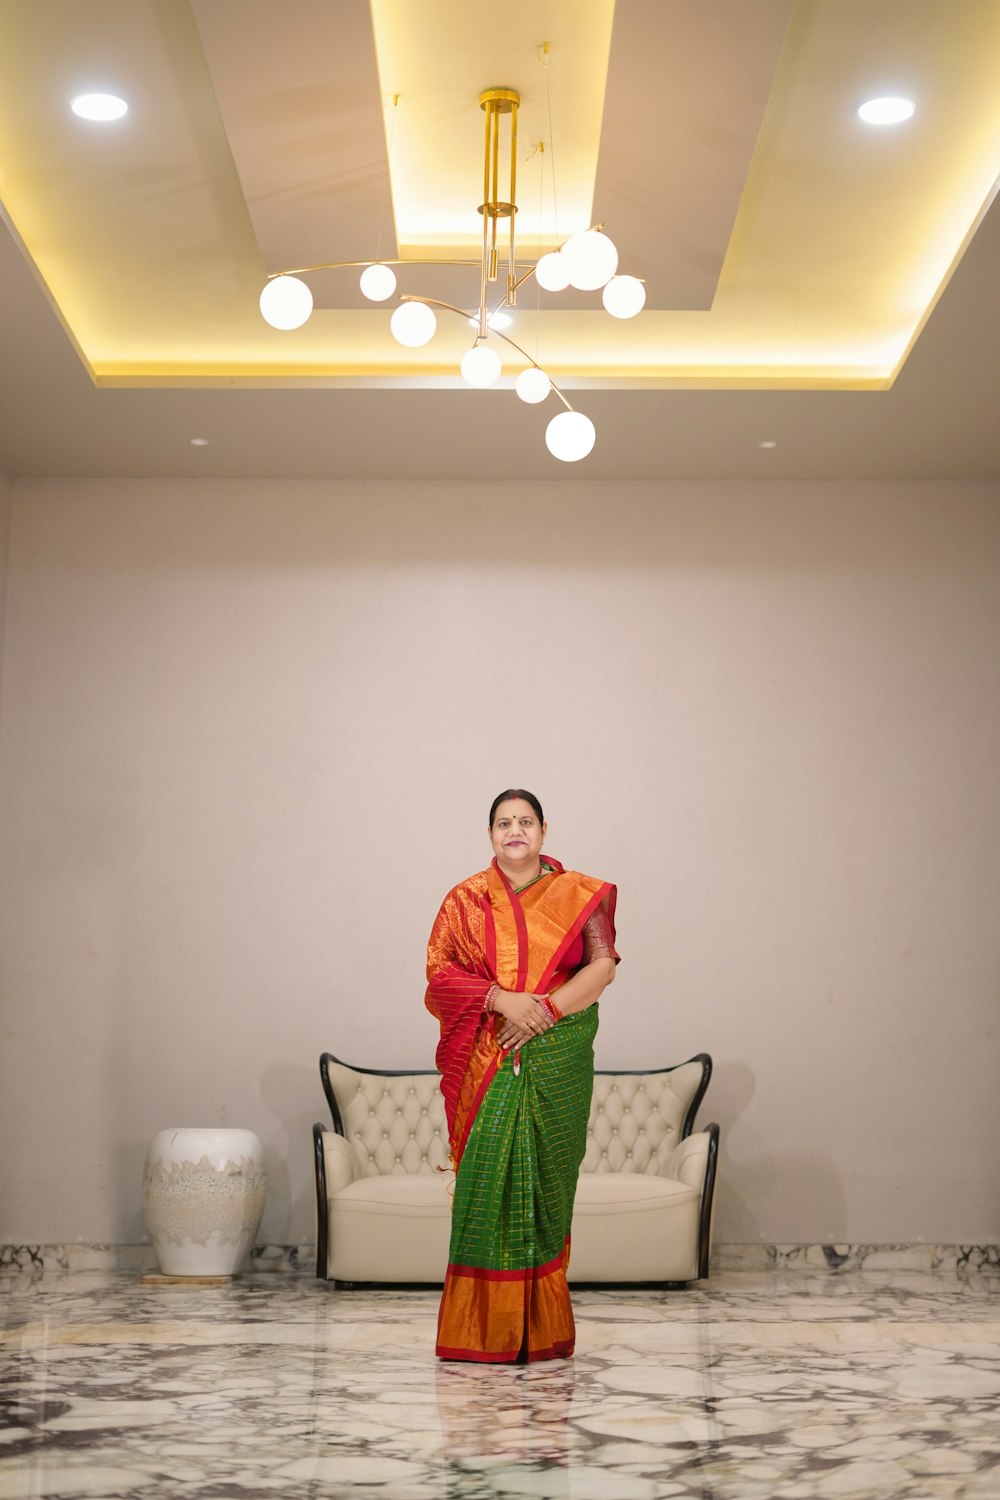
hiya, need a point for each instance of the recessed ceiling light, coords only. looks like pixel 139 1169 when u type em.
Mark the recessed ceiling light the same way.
pixel 888 111
pixel 99 106
pixel 199 442
pixel 767 443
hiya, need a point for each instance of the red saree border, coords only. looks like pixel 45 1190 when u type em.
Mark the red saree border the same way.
pixel 606 890
pixel 489 934
pixel 530 1273
pixel 561 1349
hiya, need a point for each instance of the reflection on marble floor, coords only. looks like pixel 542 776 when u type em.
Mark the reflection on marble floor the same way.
pixel 873 1384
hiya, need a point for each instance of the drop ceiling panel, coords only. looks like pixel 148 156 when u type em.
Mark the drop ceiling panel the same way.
pixel 687 89
pixel 297 88
pixel 151 236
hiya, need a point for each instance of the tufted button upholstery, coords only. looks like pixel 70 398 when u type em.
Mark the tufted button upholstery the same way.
pixel 395 1124
pixel 636 1119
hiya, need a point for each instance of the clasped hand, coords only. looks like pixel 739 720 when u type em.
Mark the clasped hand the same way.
pixel 524 1017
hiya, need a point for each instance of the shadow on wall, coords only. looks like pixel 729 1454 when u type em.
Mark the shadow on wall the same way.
pixel 294 1098
pixel 731 1089
pixel 768 1193
pixel 128 1160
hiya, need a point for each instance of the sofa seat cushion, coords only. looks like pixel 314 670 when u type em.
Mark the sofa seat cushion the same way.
pixel 624 1192
pixel 628 1226
pixel 393 1228
pixel 398 1193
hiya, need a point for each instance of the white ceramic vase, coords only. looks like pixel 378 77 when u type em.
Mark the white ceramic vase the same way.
pixel 203 1196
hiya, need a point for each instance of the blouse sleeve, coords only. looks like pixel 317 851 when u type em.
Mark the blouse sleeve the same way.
pixel 598 937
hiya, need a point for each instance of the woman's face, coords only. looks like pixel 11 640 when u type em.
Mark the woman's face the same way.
pixel 516 834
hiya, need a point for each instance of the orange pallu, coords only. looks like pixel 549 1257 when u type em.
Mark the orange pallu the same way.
pixel 517 1139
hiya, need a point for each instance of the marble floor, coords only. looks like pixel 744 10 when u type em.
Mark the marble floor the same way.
pixel 754 1384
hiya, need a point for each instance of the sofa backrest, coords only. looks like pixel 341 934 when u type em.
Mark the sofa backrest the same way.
pixel 396 1121
pixel 637 1119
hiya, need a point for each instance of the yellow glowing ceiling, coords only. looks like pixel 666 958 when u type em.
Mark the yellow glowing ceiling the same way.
pixel 783 243
pixel 436 161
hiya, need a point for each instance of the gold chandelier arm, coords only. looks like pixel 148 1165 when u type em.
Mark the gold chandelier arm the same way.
pixel 463 312
pixel 342 265
pixel 471 318
pixel 534 363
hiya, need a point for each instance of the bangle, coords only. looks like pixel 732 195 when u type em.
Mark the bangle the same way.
pixel 489 1003
pixel 553 1009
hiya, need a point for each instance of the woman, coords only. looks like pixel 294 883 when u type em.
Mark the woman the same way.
pixel 518 957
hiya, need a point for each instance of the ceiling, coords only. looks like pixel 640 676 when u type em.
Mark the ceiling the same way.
pixel 811 282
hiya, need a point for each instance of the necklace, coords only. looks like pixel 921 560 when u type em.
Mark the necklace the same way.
pixel 545 870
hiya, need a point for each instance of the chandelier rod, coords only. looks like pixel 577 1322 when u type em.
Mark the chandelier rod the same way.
pixel 532 267
pixel 489 116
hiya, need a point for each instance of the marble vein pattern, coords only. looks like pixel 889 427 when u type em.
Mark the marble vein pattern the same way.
pixel 15 1259
pixel 725 1257
pixel 780 1384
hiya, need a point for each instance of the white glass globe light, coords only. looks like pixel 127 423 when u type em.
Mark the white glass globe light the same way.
pixel 889 111
pixel 570 436
pixel 413 324
pixel 552 272
pixel 378 282
pixel 593 259
pixel 481 366
pixel 624 296
pixel 286 302
pixel 532 385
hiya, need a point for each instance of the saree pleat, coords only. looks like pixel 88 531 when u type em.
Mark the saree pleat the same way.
pixel 506 1296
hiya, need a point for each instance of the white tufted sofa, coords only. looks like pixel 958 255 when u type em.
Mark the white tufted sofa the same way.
pixel 644 1201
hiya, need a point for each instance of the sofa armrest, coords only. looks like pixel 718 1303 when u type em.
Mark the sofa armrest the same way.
pixel 336 1164
pixel 694 1163
pixel 687 1164
pixel 342 1165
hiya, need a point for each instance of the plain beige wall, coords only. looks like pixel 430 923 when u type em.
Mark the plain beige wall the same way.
pixel 251 730
pixel 6 509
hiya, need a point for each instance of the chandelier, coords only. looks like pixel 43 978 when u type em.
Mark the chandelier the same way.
pixel 587 260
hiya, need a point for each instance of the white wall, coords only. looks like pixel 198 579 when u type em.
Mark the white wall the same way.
pixel 251 732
